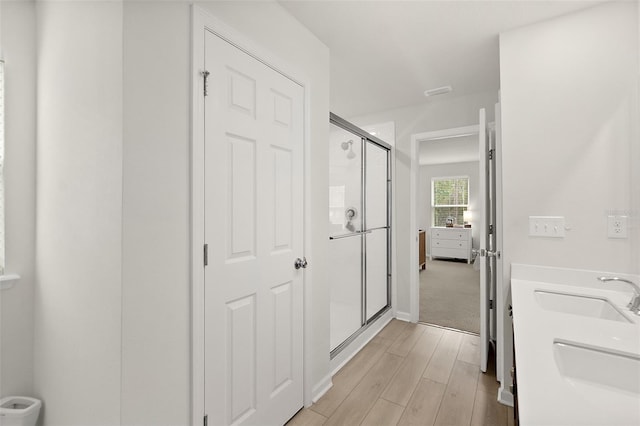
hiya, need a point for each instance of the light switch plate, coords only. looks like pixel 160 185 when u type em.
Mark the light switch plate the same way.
pixel 617 226
pixel 546 226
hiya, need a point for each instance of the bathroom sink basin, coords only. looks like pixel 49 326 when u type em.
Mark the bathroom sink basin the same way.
pixel 588 306
pixel 600 366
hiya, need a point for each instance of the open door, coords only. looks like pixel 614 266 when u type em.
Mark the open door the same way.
pixel 485 248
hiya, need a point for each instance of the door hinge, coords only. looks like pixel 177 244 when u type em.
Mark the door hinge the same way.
pixel 205 420
pixel 491 154
pixel 490 229
pixel 205 75
pixel 490 304
pixel 206 254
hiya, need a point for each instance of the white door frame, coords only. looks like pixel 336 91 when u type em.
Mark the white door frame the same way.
pixel 202 20
pixel 414 287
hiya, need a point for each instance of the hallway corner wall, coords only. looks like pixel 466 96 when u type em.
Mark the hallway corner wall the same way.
pixel 18 46
pixel 79 205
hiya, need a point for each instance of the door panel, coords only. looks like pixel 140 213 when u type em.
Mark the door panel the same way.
pixel 492 237
pixel 283 188
pixel 241 357
pixel 376 186
pixel 345 278
pixel 377 222
pixel 345 182
pixel 345 240
pixel 376 250
pixel 241 197
pixel 253 226
pixel 485 207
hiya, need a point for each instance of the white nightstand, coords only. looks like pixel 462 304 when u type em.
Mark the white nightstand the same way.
pixel 451 242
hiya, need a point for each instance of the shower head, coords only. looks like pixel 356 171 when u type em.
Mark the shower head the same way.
pixel 346 145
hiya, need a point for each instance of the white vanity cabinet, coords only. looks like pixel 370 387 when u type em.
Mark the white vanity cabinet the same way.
pixel 451 243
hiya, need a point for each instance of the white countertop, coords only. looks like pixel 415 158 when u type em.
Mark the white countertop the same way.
pixel 545 396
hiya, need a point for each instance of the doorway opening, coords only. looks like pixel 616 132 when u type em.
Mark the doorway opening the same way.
pixel 449 214
pixel 489 245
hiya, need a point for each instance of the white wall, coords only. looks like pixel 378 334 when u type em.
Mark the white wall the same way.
pixel 156 229
pixel 470 169
pixel 17 25
pixel 448 112
pixel 570 117
pixel 79 203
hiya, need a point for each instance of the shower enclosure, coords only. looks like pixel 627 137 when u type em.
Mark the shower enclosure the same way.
pixel 360 231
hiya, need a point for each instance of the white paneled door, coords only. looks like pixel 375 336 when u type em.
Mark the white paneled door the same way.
pixel 483 147
pixel 254 230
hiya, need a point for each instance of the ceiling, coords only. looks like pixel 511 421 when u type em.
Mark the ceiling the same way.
pixel 385 54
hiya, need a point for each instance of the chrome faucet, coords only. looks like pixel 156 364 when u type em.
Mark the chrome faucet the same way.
pixel 634 304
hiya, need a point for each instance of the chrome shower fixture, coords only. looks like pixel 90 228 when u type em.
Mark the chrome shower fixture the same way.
pixel 348 145
pixel 350 214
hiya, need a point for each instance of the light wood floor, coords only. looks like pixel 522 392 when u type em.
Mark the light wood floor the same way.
pixel 412 374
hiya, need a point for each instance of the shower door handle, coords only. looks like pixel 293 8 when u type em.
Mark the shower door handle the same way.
pixel 300 263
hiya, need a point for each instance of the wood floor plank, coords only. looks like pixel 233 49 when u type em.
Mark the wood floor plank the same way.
pixel 393 329
pixel 345 380
pixel 404 382
pixel 359 365
pixel 510 417
pixel 488 383
pixel 457 403
pixel 488 411
pixel 307 417
pixel 331 400
pixel 470 349
pixel 443 359
pixel 405 341
pixel 383 340
pixel 383 413
pixel 356 406
pixel 423 406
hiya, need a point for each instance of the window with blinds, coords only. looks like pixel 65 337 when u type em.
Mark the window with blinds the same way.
pixel 449 199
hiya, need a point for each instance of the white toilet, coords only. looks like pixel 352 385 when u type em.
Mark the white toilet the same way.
pixel 19 411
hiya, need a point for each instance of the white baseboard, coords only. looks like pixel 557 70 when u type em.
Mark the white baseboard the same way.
pixel 505 397
pixel 321 388
pixel 403 316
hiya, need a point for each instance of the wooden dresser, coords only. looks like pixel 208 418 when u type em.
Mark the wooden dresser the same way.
pixel 451 243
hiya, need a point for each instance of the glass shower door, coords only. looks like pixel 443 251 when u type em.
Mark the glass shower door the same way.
pixel 376 224
pixel 345 234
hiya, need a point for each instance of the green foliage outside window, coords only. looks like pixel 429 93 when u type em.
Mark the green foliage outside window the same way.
pixel 449 198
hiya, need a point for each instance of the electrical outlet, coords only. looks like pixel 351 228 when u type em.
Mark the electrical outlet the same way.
pixel 546 226
pixel 617 226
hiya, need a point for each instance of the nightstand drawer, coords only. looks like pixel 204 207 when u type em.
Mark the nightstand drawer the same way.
pixel 453 244
pixel 450 234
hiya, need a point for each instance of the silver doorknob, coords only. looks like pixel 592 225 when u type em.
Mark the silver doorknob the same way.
pixel 300 263
pixel 495 254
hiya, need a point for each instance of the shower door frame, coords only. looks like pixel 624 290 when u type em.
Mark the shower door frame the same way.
pixel 364 138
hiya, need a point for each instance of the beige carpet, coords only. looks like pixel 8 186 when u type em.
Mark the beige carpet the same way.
pixel 450 295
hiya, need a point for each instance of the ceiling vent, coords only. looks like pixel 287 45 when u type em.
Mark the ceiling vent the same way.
pixel 438 91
